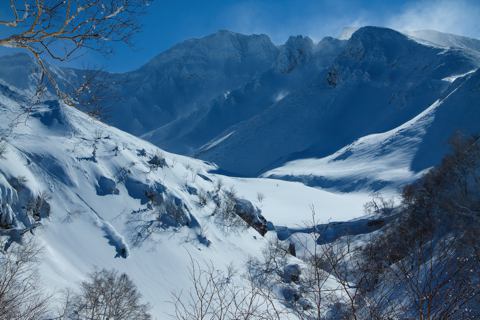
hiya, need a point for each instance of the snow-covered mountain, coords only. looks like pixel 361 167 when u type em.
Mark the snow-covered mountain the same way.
pixel 380 80
pixel 183 79
pixel 400 155
pixel 95 196
pixel 299 62
pixel 369 112
pixel 250 106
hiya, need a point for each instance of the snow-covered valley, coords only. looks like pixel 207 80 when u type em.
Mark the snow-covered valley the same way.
pixel 270 140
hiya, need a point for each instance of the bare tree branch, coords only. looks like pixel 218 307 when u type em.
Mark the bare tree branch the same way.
pixel 58 29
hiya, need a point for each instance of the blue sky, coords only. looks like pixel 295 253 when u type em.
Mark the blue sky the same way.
pixel 168 22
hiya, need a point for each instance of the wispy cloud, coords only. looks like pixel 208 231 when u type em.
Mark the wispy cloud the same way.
pixel 311 18
pixel 460 17
pixel 327 18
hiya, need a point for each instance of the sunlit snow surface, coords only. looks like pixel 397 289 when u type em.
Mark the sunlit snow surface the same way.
pixel 52 149
pixel 290 203
pixel 384 157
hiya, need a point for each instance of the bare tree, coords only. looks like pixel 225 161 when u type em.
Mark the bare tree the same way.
pixel 429 255
pixel 345 279
pixel 314 280
pixel 105 295
pixel 439 281
pixel 21 296
pixel 58 29
pixel 223 295
pixel 305 285
pixel 91 91
pixel 379 205
pixel 436 279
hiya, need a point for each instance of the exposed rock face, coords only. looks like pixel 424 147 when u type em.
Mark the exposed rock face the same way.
pixel 252 215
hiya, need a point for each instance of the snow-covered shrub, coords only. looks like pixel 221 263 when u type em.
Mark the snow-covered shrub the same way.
pixel 226 213
pixel 260 197
pixel 141 152
pixel 157 161
pixel 116 150
pixel 122 174
pixel 233 213
pixel 163 211
pixel 202 198
pixel 38 207
pixel 3 148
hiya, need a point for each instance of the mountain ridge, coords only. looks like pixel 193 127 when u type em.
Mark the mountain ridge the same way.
pixel 174 102
pixel 378 76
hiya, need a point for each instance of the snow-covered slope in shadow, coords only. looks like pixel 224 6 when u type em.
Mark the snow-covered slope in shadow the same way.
pixel 379 81
pixel 299 63
pixel 398 156
pixel 184 79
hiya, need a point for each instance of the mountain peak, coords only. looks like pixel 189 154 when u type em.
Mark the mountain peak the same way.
pixel 296 51
pixel 299 40
pixel 221 45
pixel 379 42
pixel 373 33
pixel 229 33
pixel 222 34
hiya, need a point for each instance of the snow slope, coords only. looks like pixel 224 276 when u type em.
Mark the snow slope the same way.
pixel 368 113
pixel 92 197
pixel 98 209
pixel 399 156
pixel 447 40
